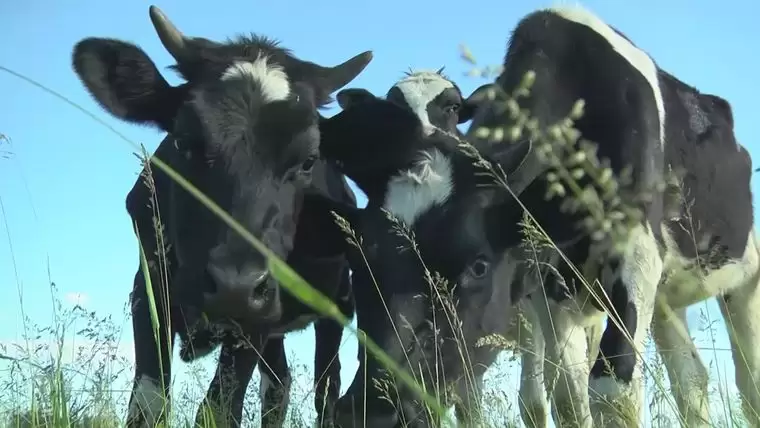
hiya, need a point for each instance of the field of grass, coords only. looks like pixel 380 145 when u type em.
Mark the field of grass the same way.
pixel 75 372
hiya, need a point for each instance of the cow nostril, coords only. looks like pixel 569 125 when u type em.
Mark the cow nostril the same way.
pixel 261 279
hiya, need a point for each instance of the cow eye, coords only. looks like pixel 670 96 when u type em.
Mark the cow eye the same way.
pixel 308 164
pixel 480 268
pixel 453 108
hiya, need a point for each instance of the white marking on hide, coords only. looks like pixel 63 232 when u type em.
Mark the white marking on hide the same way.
pixel 418 189
pixel 686 286
pixel 642 267
pixel 148 398
pixel 271 78
pixel 419 89
pixel 639 59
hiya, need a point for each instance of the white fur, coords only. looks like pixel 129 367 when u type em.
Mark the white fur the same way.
pixel 271 78
pixel 635 56
pixel 415 191
pixel 686 286
pixel 419 89
pixel 147 396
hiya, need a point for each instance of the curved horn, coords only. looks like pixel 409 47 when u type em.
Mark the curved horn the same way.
pixel 172 39
pixel 340 75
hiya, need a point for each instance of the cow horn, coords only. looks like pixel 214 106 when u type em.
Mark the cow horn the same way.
pixel 172 39
pixel 340 75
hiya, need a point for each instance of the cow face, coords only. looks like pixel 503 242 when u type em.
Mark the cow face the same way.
pixel 246 127
pixel 434 98
pixel 430 261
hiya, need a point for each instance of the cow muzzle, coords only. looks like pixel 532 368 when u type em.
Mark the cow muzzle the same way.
pixel 248 296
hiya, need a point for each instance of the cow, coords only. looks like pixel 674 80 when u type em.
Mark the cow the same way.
pixel 244 129
pixel 387 150
pixel 438 103
pixel 436 100
pixel 645 124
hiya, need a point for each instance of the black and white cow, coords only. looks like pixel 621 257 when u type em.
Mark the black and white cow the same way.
pixel 436 100
pixel 390 153
pixel 704 245
pixel 438 103
pixel 244 129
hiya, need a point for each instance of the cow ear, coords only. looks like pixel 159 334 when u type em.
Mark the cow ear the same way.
pixel 125 82
pixel 353 96
pixel 484 94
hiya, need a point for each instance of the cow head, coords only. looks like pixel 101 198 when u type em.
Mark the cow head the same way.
pixel 423 185
pixel 432 96
pixel 246 121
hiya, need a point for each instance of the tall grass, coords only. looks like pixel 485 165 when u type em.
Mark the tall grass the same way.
pixel 75 372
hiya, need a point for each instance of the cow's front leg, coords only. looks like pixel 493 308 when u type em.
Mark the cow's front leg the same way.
pixel 224 399
pixel 328 334
pixel 566 365
pixel 532 396
pixel 149 401
pixel 616 386
pixel 274 388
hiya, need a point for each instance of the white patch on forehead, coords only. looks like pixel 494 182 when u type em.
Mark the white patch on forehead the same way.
pixel 635 56
pixel 415 191
pixel 419 89
pixel 271 78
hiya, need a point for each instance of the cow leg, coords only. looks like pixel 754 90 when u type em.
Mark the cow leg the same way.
pixel 328 335
pixel 616 386
pixel 593 337
pixel 565 366
pixel 688 375
pixel 532 396
pixel 274 388
pixel 742 318
pixel 224 399
pixel 149 401
pixel 469 391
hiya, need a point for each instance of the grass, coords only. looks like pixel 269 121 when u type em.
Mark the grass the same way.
pixel 75 372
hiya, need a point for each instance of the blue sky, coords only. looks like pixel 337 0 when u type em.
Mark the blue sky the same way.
pixel 63 191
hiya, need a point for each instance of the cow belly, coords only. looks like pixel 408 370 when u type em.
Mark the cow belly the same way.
pixel 684 285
